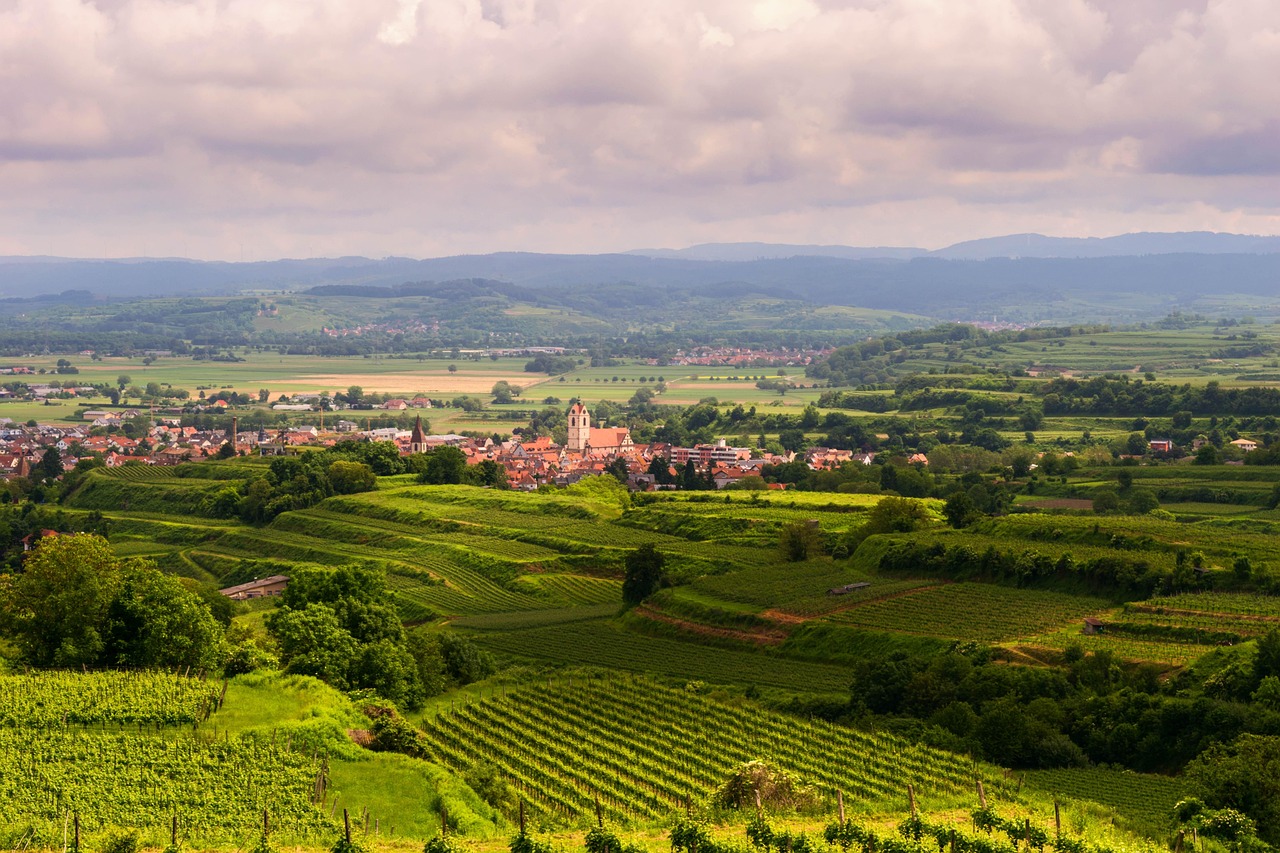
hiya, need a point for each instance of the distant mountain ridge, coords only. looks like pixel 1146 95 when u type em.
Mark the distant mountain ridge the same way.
pixel 1028 275
pixel 772 251
pixel 1141 243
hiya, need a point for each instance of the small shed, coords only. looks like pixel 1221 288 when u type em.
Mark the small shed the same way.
pixel 1092 625
pixel 848 588
pixel 260 588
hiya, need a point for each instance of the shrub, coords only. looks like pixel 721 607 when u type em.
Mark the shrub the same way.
pixel 777 789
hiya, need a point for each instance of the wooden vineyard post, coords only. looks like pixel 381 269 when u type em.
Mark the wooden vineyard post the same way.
pixel 1177 846
pixel 266 823
pixel 346 827
pixel 982 795
pixel 759 811
pixel 1026 831
pixel 173 833
pixel 911 795
pixel 75 823
pixel 599 813
pixel 840 805
pixel 953 841
pixel 444 821
pixel 522 816
pixel 1057 819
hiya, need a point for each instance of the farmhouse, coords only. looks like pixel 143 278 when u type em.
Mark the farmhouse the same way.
pixel 1245 444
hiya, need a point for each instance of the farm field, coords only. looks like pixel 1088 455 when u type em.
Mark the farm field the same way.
pixel 539 575
pixel 970 612
pixel 118 749
pixel 645 749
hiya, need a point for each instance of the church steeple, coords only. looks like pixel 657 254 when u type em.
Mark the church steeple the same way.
pixel 579 428
pixel 417 441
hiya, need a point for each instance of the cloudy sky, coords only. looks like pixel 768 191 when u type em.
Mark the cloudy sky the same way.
pixel 283 128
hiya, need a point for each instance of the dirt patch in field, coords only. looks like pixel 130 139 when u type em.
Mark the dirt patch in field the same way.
pixel 762 637
pixel 784 618
pixel 1059 503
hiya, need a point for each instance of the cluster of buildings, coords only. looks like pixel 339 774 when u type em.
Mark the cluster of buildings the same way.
pixel 590 451
pixel 527 462
pixel 747 357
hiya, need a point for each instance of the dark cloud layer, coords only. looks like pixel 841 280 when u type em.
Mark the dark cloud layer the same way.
pixel 262 128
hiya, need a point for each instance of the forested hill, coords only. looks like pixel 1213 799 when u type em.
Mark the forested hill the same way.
pixel 1022 290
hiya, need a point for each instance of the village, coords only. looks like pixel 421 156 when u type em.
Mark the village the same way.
pixel 26 450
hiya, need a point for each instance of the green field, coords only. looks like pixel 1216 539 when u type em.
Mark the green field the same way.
pixel 645 749
pixel 971 612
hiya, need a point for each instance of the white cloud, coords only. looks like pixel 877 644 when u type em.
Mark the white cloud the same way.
pixel 421 126
pixel 403 28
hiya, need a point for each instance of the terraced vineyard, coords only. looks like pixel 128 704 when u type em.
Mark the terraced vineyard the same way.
pixel 117 749
pixel 522 620
pixel 1124 648
pixel 1262 606
pixel 966 611
pixel 644 749
pixel 591 643
pixel 451 551
pixel 801 589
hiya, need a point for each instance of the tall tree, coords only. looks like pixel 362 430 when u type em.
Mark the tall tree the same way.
pixel 644 574
pixel 61 598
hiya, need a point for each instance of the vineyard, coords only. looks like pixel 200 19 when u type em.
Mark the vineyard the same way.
pixel 45 700
pixel 218 789
pixel 600 644
pixel 1215 603
pixel 1173 630
pixel 974 612
pixel 125 749
pixel 1123 648
pixel 1145 800
pixel 646 750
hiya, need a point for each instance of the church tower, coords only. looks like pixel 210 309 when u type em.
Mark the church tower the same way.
pixel 417 441
pixel 579 427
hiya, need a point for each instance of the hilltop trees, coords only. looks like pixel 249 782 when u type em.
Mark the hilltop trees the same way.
pixel 76 604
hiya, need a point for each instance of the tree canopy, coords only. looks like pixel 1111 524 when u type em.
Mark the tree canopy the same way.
pixel 76 604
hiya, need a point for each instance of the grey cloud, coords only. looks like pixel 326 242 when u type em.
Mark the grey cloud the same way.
pixel 592 124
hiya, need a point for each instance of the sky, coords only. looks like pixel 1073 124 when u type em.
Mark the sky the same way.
pixel 261 129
